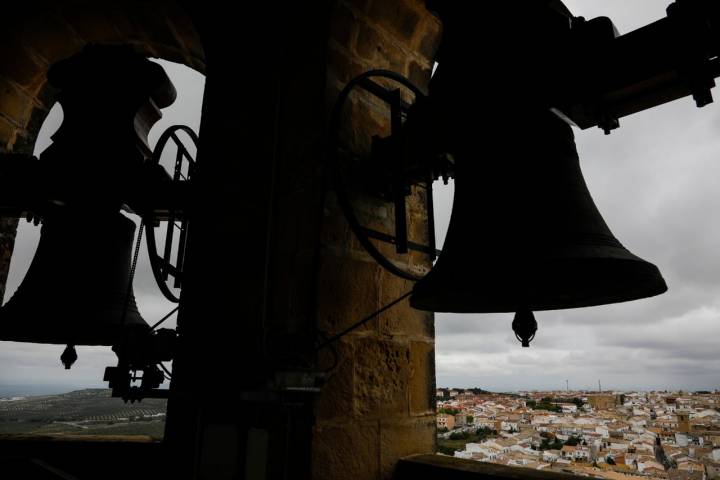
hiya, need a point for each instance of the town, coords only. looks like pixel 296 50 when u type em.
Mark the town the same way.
pixel 613 435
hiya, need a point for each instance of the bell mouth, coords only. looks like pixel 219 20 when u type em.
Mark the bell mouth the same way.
pixel 548 285
pixel 77 289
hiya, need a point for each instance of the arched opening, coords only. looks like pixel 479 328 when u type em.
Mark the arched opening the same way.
pixel 166 32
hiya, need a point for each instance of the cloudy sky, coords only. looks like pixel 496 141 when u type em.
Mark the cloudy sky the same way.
pixel 655 181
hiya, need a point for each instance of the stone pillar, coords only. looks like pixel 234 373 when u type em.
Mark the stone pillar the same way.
pixel 378 404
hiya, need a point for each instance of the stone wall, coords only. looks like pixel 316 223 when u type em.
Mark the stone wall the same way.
pixel 378 405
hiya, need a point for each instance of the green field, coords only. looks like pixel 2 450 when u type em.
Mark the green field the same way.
pixel 83 412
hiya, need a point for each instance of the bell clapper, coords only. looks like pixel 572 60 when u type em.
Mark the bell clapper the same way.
pixel 524 325
pixel 69 356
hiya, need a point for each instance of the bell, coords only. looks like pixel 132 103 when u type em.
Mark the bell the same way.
pixel 525 233
pixel 77 290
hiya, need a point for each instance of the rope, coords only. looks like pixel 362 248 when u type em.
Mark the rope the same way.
pixel 164 318
pixel 131 275
pixel 362 322
pixel 168 375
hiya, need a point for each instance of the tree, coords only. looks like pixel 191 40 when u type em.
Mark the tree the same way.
pixel 572 441
pixel 470 419
pixel 445 450
pixel 449 411
pixel 484 432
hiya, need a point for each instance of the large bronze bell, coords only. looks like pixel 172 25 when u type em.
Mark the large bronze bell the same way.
pixel 76 289
pixel 525 233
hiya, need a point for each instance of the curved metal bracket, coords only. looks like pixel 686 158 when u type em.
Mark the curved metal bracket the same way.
pixel 399 188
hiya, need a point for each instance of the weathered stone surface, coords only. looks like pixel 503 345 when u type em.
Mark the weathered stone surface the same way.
pixel 343 26
pixel 400 438
pixel 349 292
pixel 422 378
pixel 430 38
pixel 401 320
pixel 337 399
pixel 25 141
pixel 342 66
pixel 92 25
pixel 350 450
pixel 14 103
pixel 7 135
pixel 381 378
pixel 49 36
pixel 417 226
pixel 335 229
pixel 419 75
pixel 16 64
pixel 386 368
pixel 360 5
pixel 398 17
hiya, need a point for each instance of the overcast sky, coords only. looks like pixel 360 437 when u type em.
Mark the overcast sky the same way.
pixel 656 181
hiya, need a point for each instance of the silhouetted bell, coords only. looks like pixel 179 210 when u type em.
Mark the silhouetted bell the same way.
pixel 525 232
pixel 76 289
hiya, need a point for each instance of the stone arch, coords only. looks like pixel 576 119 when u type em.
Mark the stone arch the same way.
pixel 40 37
pixel 37 37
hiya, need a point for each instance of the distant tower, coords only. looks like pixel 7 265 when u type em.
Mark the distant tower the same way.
pixel 599 386
pixel 683 419
pixel 567 386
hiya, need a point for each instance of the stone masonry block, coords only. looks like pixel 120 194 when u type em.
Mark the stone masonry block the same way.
pixel 127 28
pixel 92 25
pixel 7 135
pixel 342 66
pixel 343 26
pixel 381 378
pixel 418 228
pixel 348 292
pixel 429 38
pixel 397 17
pixel 155 27
pixel 422 378
pixel 369 42
pixel 419 75
pixel 359 5
pixel 350 450
pixel 17 65
pixel 49 36
pixel 336 399
pixel 335 229
pixel 402 437
pixel 15 105
pixel 185 32
pixel 360 120
pixel 402 320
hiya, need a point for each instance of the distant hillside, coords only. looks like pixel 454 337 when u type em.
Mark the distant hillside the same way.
pixel 82 412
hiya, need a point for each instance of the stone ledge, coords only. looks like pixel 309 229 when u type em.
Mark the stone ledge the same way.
pixel 441 467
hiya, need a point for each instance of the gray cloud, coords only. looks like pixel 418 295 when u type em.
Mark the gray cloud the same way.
pixel 656 181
